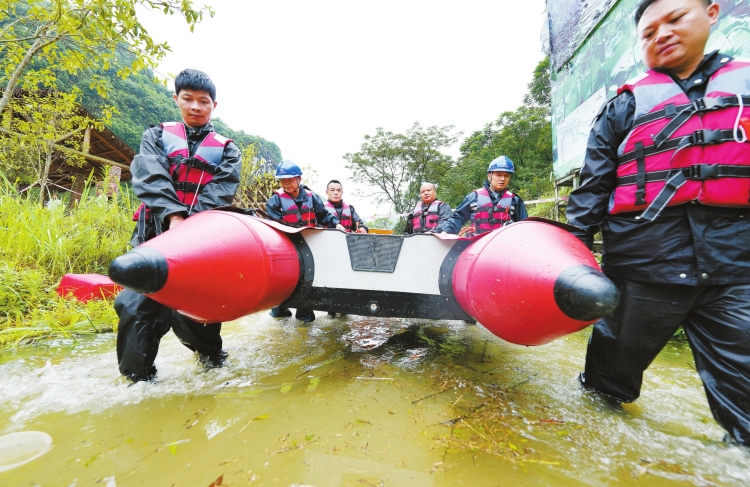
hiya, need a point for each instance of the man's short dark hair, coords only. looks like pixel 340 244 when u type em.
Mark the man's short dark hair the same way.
pixel 334 181
pixel 647 3
pixel 192 79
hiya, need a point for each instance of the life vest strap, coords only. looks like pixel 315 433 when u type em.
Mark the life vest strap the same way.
pixel 669 111
pixel 699 172
pixel 699 105
pixel 649 151
pixel 186 187
pixel 493 220
pixel 699 137
pixel 714 171
pixel 640 176
pixel 664 197
pixel 295 211
pixel 194 163
pixel 706 137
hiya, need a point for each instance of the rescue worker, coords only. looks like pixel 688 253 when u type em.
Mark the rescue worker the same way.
pixel 345 213
pixel 430 214
pixel 297 206
pixel 666 178
pixel 491 206
pixel 182 168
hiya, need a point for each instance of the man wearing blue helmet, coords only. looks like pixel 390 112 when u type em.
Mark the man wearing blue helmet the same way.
pixel 297 206
pixel 491 206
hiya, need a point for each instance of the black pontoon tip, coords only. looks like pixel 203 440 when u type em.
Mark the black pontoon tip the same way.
pixel 143 270
pixel 585 294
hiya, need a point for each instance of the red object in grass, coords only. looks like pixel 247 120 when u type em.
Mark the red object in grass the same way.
pixel 85 287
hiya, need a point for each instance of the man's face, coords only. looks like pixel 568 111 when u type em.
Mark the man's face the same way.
pixel 290 185
pixel 334 192
pixel 499 180
pixel 673 34
pixel 195 107
pixel 427 193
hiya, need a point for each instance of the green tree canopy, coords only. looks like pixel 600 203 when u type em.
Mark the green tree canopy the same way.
pixel 524 135
pixel 73 35
pixel 395 165
pixel 540 91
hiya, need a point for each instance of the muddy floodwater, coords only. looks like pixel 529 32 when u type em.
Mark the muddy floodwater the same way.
pixel 354 401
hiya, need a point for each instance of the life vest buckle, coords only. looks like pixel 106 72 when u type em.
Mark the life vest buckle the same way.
pixel 703 104
pixel 706 137
pixel 640 197
pixel 704 171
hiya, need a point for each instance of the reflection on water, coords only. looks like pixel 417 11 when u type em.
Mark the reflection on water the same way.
pixel 358 401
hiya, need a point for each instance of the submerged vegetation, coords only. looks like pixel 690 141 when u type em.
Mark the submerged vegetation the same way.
pixel 38 245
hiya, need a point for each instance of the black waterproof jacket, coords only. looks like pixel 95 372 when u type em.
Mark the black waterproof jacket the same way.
pixel 468 207
pixel 154 186
pixel 690 244
pixel 356 219
pixel 322 217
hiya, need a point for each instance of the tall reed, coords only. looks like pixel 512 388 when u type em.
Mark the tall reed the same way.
pixel 39 245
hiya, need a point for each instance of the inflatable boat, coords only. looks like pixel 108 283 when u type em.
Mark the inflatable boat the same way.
pixel 528 283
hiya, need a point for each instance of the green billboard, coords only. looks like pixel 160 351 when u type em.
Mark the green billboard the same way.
pixel 594 50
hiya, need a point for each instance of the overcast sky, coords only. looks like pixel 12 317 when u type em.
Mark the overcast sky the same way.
pixel 315 77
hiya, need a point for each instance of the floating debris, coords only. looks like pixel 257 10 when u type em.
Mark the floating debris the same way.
pixel 313 384
pixel 18 449
pixel 413 355
pixel 371 333
pixel 373 361
pixel 338 355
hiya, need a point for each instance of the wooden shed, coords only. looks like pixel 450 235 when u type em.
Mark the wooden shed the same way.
pixel 104 153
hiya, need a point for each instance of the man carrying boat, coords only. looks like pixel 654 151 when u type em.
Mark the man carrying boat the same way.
pixel 297 206
pixel 666 178
pixel 182 168
pixel 345 213
pixel 430 214
pixel 491 206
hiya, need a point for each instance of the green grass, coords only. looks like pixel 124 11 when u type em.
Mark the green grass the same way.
pixel 38 246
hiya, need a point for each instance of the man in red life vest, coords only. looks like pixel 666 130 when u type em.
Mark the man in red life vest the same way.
pixel 297 206
pixel 182 168
pixel 666 178
pixel 491 206
pixel 430 214
pixel 346 213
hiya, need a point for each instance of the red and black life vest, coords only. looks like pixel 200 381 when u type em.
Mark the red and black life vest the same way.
pixel 345 217
pixel 190 174
pixel 680 151
pixel 489 215
pixel 427 220
pixel 297 216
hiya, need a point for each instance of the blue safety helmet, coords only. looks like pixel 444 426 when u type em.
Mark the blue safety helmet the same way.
pixel 502 163
pixel 288 169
